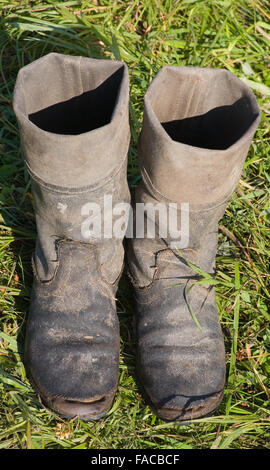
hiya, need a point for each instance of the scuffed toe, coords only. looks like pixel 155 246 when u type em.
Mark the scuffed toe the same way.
pixel 85 409
pixel 188 408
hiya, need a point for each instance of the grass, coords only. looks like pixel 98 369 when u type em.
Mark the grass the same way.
pixel 146 35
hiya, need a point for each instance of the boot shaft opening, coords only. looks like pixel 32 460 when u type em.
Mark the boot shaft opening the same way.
pixel 203 108
pixel 83 113
pixel 70 95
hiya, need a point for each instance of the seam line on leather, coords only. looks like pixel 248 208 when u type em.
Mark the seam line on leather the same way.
pixel 64 190
pixel 161 198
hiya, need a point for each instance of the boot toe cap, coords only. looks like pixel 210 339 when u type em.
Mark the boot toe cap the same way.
pixel 74 379
pixel 183 383
pixel 87 402
pixel 85 409
pixel 181 408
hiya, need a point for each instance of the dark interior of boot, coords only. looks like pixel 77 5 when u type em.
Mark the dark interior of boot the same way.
pixel 83 113
pixel 218 129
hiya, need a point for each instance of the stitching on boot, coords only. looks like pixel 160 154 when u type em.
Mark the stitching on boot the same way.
pixel 66 277
pixel 112 284
pixel 48 281
pixel 106 292
pixel 103 276
pixel 109 294
pixel 134 281
pixel 155 273
pixel 165 252
pixel 58 245
pixel 100 286
pixel 35 272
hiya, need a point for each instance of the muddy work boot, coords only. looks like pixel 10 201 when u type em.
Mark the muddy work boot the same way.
pixel 197 129
pixel 73 120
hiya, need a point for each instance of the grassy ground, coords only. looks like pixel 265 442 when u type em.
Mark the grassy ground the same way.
pixel 146 35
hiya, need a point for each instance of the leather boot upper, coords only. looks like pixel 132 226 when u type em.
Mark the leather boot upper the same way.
pixel 73 119
pixel 197 127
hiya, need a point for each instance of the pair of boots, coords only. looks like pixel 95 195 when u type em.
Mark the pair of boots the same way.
pixel 73 119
